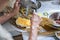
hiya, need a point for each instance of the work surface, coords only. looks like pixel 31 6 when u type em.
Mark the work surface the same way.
pixel 46 6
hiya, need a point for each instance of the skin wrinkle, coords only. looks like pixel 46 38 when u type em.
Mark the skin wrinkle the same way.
pixel 34 27
pixel 14 12
pixel 4 18
pixel 34 32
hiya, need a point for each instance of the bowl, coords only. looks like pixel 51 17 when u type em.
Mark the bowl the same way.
pixel 57 33
pixel 55 16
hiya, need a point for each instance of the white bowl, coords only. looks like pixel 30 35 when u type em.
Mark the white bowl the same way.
pixel 54 22
pixel 56 33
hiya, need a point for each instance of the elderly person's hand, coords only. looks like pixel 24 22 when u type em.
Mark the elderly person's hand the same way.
pixel 16 7
pixel 35 21
pixel 14 12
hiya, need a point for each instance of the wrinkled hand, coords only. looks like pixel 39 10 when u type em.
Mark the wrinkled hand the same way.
pixel 35 20
pixel 16 6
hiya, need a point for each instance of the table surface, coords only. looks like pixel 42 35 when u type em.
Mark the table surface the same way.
pixel 9 28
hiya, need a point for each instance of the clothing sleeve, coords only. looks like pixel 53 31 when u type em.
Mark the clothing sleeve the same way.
pixel 4 34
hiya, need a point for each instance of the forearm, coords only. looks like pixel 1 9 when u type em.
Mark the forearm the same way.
pixel 6 17
pixel 33 33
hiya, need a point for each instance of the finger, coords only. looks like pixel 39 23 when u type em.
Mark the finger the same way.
pixel 35 15
pixel 17 0
pixel 39 17
pixel 19 4
pixel 16 4
pixel 31 21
